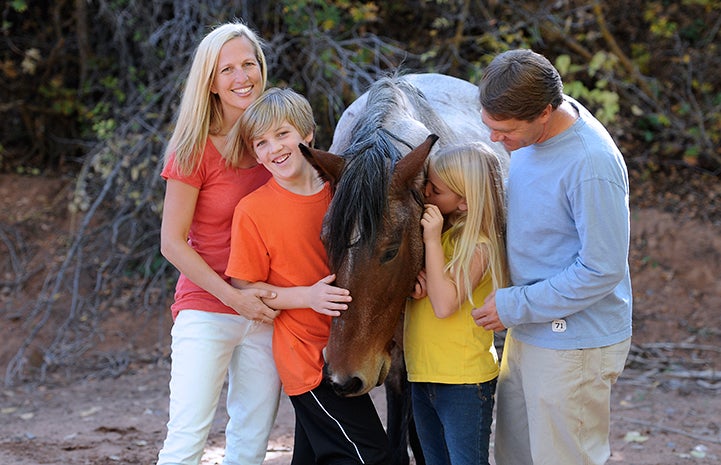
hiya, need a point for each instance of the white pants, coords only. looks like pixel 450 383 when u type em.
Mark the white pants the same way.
pixel 554 406
pixel 205 347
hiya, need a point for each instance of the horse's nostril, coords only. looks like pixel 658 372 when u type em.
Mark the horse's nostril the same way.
pixel 349 388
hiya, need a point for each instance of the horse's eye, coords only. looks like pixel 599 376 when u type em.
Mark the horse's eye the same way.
pixel 389 254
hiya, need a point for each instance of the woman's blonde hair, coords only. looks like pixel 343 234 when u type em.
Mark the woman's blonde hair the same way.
pixel 275 106
pixel 474 172
pixel 200 112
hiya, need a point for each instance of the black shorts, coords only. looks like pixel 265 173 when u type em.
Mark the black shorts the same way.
pixel 330 429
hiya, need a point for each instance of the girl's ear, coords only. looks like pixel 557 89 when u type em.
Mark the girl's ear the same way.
pixel 463 206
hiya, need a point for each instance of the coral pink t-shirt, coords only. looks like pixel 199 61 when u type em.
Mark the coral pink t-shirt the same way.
pixel 220 189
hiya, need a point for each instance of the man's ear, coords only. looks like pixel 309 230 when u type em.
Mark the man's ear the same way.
pixel 546 113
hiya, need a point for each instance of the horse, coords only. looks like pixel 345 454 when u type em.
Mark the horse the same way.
pixel 372 231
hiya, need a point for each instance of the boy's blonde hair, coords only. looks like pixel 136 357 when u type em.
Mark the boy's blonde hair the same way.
pixel 275 106
pixel 200 112
pixel 474 172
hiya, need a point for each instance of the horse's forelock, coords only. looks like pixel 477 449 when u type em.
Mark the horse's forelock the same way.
pixel 361 197
pixel 361 194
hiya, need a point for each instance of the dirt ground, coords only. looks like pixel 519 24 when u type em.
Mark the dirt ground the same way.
pixel 666 408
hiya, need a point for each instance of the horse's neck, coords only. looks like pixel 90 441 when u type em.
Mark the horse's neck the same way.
pixel 407 133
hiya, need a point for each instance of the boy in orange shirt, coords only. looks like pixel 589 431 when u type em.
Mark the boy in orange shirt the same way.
pixel 275 245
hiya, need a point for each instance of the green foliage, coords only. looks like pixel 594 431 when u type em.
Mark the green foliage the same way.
pixel 668 55
pixel 660 25
pixel 651 124
pixel 341 15
pixel 104 128
pixel 19 5
pixel 605 101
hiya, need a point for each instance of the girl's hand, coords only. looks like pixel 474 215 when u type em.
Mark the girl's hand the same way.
pixel 432 223
pixel 420 290
pixel 327 299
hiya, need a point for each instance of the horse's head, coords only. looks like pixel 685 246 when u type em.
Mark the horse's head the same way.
pixel 376 254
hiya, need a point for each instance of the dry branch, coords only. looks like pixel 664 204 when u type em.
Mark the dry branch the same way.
pixel 628 65
pixel 669 429
pixel 650 362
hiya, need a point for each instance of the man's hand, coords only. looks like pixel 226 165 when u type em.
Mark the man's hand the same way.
pixel 420 289
pixel 487 315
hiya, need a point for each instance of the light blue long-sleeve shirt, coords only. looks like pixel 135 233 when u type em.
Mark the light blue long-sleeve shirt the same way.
pixel 568 241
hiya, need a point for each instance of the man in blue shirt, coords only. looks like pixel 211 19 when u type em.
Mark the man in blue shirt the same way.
pixel 569 308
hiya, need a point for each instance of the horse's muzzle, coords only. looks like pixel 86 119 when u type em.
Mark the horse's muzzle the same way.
pixel 348 387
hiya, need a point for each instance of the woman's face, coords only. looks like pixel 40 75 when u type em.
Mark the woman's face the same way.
pixel 238 77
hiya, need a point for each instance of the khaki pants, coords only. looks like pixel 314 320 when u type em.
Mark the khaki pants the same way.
pixel 553 406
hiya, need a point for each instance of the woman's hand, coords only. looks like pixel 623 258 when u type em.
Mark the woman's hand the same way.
pixel 178 210
pixel 249 303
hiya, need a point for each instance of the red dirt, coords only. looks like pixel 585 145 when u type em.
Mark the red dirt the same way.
pixel 665 407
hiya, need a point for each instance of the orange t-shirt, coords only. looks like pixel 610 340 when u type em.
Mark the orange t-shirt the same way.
pixel 220 189
pixel 276 239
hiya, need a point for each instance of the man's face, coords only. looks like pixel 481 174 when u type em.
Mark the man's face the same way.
pixel 514 133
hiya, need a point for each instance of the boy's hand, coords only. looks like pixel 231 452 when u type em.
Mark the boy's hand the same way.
pixel 327 299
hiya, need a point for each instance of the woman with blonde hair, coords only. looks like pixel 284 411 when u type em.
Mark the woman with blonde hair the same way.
pixel 218 330
pixel 452 363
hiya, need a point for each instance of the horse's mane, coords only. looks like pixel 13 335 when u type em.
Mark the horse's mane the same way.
pixel 361 195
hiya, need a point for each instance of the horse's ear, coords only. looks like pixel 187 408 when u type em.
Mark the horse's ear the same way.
pixel 328 165
pixel 408 167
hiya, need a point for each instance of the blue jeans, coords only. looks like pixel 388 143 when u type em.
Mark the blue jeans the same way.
pixel 454 421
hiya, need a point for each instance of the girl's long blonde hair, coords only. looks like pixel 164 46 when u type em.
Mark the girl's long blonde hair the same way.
pixel 200 112
pixel 474 172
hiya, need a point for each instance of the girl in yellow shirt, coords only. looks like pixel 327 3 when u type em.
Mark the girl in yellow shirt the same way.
pixel 452 363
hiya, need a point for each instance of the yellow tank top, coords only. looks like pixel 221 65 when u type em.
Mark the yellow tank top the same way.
pixel 452 350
